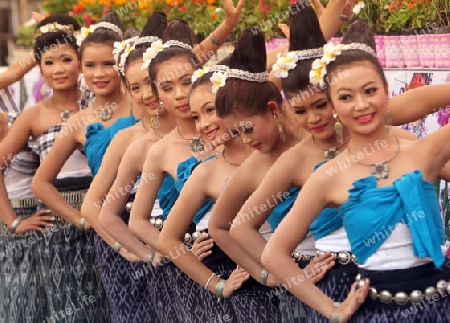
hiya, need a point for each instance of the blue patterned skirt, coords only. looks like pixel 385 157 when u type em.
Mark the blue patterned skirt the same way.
pixel 336 284
pixel 126 283
pixel 253 302
pixel 22 296
pixel 72 284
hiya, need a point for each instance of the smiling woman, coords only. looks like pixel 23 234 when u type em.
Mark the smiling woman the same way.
pixel 93 129
pixel 45 260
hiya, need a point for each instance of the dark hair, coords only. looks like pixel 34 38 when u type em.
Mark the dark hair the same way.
pixel 244 97
pixel 155 26
pixel 104 36
pixel 358 32
pixel 131 32
pixel 305 34
pixel 180 31
pixel 46 40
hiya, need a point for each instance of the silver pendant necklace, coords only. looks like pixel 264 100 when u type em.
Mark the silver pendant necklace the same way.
pixel 380 170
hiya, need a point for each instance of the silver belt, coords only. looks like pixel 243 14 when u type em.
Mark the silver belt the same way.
pixel 188 238
pixel 344 258
pixel 28 203
pixel 72 197
pixel 157 222
pixel 129 206
pixel 75 197
pixel 299 257
pixel 402 298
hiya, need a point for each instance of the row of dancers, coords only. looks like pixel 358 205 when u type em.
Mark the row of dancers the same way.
pixel 270 187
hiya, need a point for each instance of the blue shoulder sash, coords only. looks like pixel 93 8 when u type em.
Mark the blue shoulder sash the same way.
pixel 371 214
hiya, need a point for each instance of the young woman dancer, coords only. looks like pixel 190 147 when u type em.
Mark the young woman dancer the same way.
pixel 217 272
pixel 93 129
pixel 401 268
pixel 56 51
pixel 271 132
pixel 175 65
pixel 313 113
pixel 137 305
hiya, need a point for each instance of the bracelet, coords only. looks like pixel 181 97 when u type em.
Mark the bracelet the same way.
pixel 334 318
pixel 81 223
pixel 219 288
pixel 346 18
pixel 14 225
pixel 214 40
pixel 209 280
pixel 150 257
pixel 117 246
pixel 264 276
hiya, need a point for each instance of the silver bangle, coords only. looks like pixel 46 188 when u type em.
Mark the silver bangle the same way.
pixel 209 280
pixel 334 318
pixel 264 276
pixel 150 257
pixel 219 288
pixel 214 40
pixel 81 223
pixel 345 17
pixel 117 246
pixel 14 225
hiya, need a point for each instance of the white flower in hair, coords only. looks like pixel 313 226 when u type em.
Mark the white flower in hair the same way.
pixel 330 52
pixel 218 80
pixel 284 64
pixel 318 71
pixel 151 53
pixel 357 8
pixel 118 47
pixel 84 32
pixel 199 73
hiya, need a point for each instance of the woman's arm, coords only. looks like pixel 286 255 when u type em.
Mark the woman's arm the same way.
pixel 103 180
pixel 277 255
pixel 152 178
pixel 188 203
pixel 17 70
pixel 236 192
pixel 417 103
pixel 110 216
pixel 276 183
pixel 43 180
pixel 15 139
pixel 3 125
pixel 206 49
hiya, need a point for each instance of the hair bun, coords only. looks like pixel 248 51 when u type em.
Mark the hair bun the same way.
pixel 305 32
pixel 155 26
pixel 113 18
pixel 250 51
pixel 178 30
pixel 359 32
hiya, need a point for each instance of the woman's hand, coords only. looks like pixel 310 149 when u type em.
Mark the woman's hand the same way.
pixel 354 300
pixel 37 222
pixel 232 13
pixel 202 247
pixel 319 7
pixel 238 277
pixel 131 257
pixel 319 266
pixel 37 16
